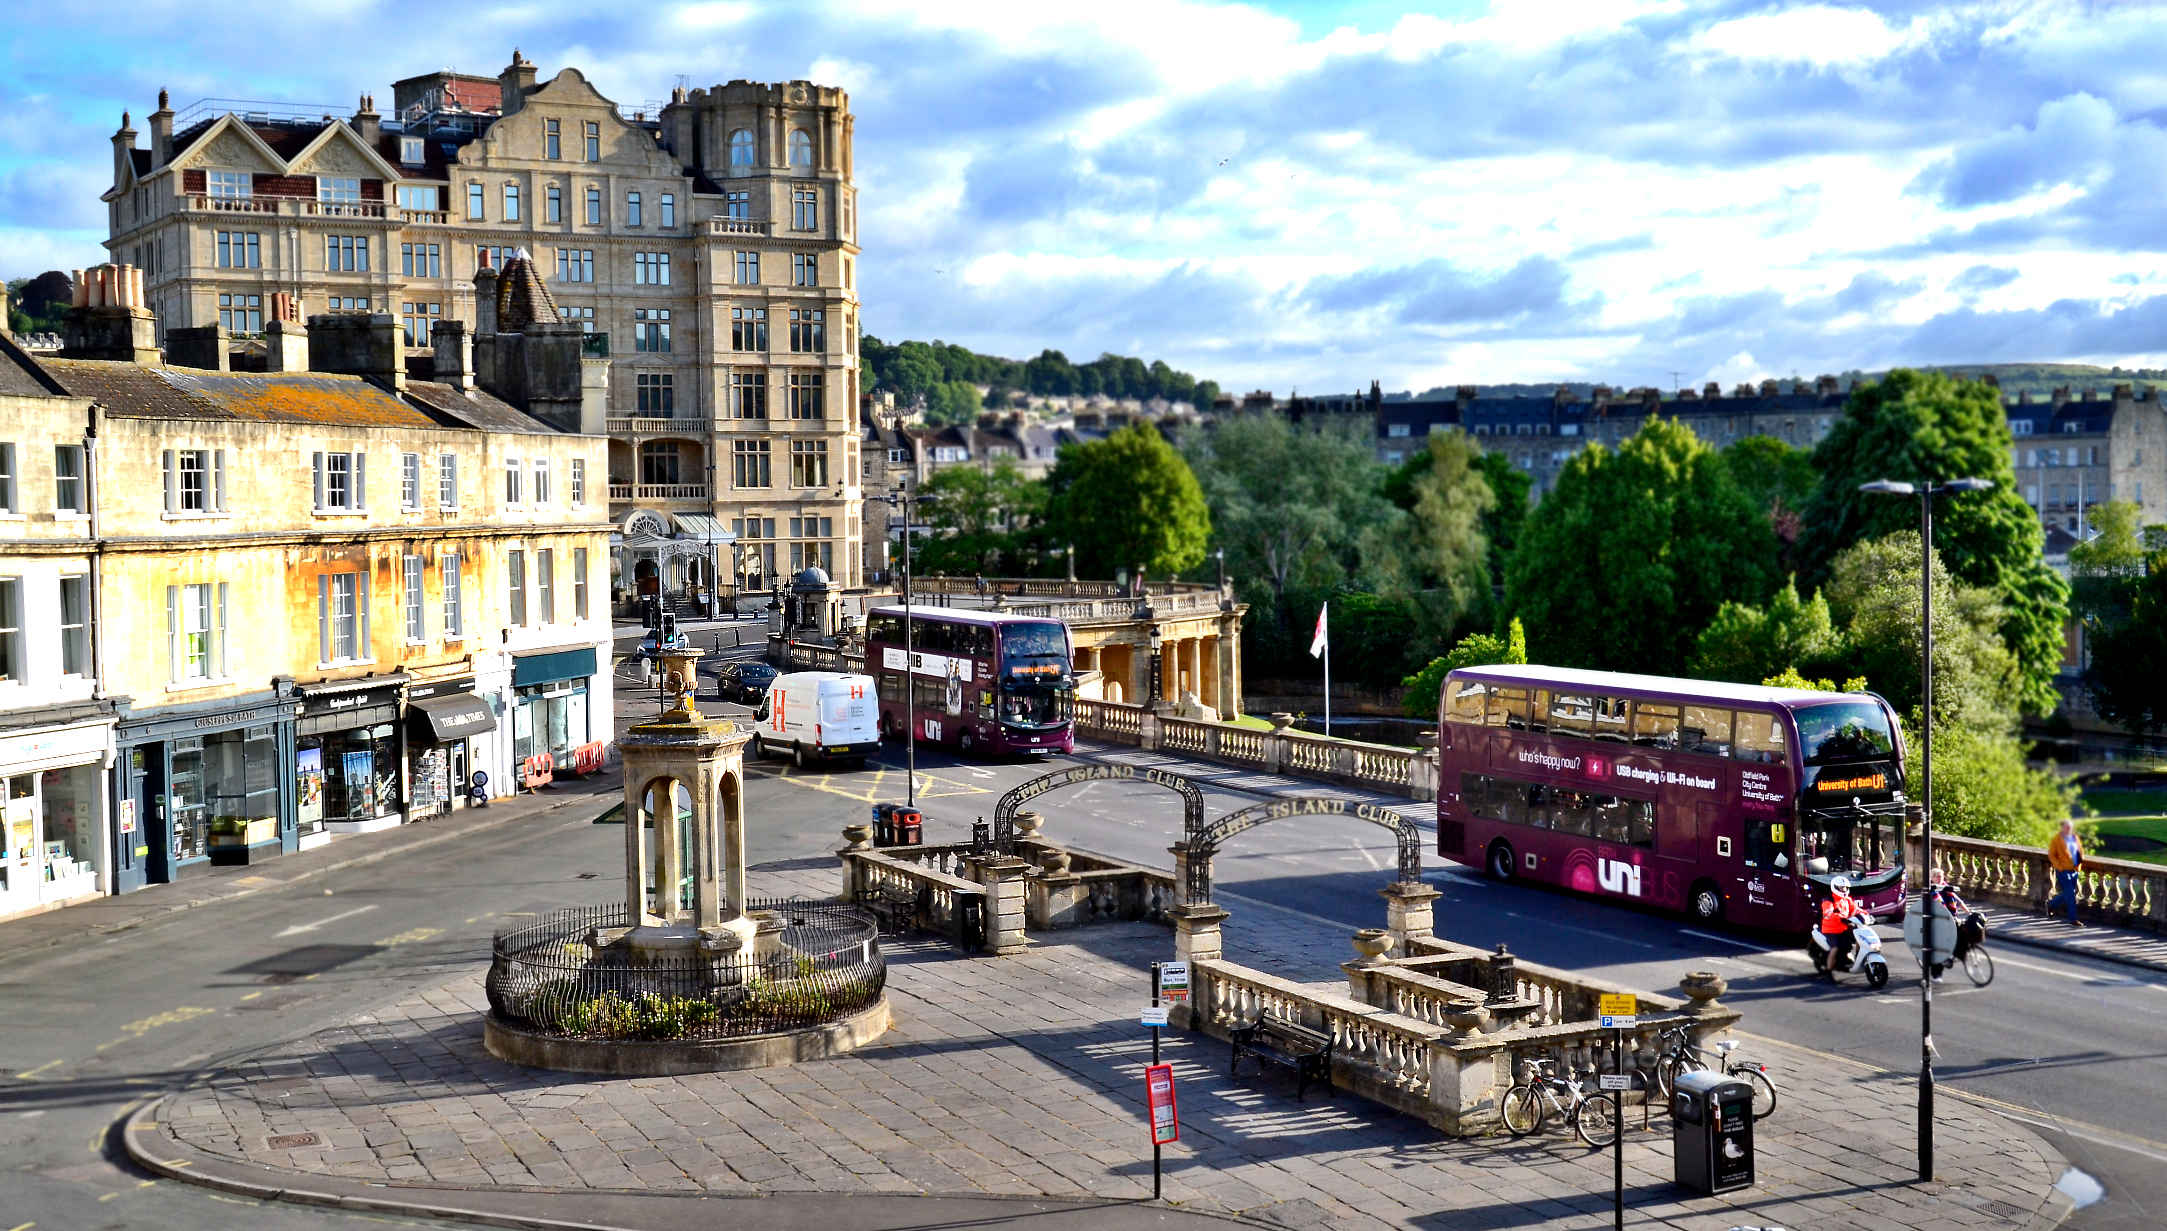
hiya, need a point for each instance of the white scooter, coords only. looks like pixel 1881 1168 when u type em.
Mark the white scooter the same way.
pixel 1865 957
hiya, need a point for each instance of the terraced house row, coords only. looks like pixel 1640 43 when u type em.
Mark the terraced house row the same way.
pixel 707 245
pixel 243 612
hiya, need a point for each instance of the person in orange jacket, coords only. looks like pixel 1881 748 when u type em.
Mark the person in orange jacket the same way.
pixel 1838 911
pixel 2065 855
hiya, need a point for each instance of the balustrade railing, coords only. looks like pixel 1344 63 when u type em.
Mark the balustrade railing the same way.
pixel 2116 891
pixel 658 491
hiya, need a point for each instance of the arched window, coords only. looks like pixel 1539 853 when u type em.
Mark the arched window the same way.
pixel 801 148
pixel 741 148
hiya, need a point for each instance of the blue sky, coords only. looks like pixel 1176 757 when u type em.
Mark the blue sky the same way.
pixel 1314 195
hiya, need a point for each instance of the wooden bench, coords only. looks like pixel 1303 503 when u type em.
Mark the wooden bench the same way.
pixel 1287 1044
pixel 894 907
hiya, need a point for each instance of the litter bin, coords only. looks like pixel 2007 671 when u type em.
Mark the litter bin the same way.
pixel 897 825
pixel 1711 1133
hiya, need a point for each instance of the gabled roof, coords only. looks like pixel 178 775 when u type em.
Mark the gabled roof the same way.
pixel 338 130
pixel 20 375
pixel 476 408
pixel 276 142
pixel 133 391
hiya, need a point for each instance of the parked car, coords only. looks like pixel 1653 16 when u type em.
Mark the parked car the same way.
pixel 818 716
pixel 746 682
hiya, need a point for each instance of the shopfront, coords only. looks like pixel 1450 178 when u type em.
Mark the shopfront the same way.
pixel 349 751
pixel 181 772
pixel 441 717
pixel 550 691
pixel 53 848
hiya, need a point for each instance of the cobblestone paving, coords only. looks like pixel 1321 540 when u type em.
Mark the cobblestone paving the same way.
pixel 1023 1075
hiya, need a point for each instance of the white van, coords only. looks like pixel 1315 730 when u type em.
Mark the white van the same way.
pixel 818 715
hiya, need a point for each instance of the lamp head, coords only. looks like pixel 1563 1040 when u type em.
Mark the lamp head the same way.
pixel 1889 487
pixel 1968 485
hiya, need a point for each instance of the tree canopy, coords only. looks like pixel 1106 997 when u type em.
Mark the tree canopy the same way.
pixel 1633 551
pixel 1922 426
pixel 1474 650
pixel 1125 501
pixel 2128 673
pixel 979 517
pixel 1746 644
pixel 912 370
pixel 1777 479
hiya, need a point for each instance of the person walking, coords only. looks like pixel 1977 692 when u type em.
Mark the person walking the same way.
pixel 2065 854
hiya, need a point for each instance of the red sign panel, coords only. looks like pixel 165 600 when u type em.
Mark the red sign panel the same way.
pixel 1159 1093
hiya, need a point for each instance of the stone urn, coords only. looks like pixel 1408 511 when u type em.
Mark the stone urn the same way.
pixel 860 837
pixel 1281 720
pixel 1028 824
pixel 1702 987
pixel 1054 863
pixel 1467 1017
pixel 1371 944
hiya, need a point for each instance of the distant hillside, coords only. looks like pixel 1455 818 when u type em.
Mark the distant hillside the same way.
pixel 2038 379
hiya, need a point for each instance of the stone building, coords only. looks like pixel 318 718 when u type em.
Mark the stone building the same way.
pixel 708 245
pixel 56 725
pixel 324 596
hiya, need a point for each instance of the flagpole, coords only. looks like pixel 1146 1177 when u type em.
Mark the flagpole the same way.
pixel 1328 682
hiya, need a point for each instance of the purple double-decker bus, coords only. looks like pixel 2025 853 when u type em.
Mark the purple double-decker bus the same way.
pixel 982 681
pixel 1727 801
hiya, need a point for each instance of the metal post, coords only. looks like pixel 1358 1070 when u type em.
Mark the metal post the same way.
pixel 1926 831
pixel 1617 1141
pixel 1155 1148
pixel 910 674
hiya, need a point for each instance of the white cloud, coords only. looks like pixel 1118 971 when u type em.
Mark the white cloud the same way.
pixel 1817 34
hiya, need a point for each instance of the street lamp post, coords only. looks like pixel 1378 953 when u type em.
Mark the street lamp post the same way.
pixel 1157 684
pixel 1926 493
pixel 902 500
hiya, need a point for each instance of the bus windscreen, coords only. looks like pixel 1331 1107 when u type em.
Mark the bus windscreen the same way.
pixel 1844 731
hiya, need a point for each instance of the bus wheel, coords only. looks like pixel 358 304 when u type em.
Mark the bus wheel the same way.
pixel 965 743
pixel 1500 861
pixel 1705 902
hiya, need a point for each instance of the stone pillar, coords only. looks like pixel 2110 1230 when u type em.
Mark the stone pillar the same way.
pixel 1169 668
pixel 1196 932
pixel 1371 945
pixel 636 845
pixel 669 857
pixel 707 756
pixel 1003 877
pixel 1208 686
pixel 858 837
pixel 706 876
pixel 1055 897
pixel 1195 670
pixel 1408 914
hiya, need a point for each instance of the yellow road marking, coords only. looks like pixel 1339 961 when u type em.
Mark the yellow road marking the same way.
pixel 24 1227
pixel 252 995
pixel 872 786
pixel 28 1073
pixel 145 1183
pixel 171 1017
pixel 107 1196
pixel 410 937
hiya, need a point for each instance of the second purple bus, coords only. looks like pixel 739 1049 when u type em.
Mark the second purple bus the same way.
pixel 1727 801
pixel 980 680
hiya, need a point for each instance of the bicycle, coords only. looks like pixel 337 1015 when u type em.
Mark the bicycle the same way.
pixel 1527 1104
pixel 1678 1055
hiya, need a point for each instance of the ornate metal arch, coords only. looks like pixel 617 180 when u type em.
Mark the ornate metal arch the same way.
pixel 1202 840
pixel 1004 813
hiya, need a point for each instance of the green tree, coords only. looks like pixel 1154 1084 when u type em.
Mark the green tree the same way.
pixel 2128 672
pixel 1873 594
pixel 1984 789
pixel 1745 643
pixel 1509 486
pixel 1923 426
pixel 1125 501
pixel 1631 555
pixel 1474 650
pixel 1289 504
pixel 977 515
pixel 1435 558
pixel 1777 479
pixel 2107 570
pixel 952 402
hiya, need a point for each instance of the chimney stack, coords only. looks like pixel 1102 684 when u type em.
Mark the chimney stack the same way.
pixel 108 319
pixel 367 124
pixel 199 346
pixel 161 132
pixel 515 82
pixel 364 344
pixel 1711 390
pixel 454 354
pixel 285 336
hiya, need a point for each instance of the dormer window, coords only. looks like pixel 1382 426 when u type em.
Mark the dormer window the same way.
pixel 741 148
pixel 411 152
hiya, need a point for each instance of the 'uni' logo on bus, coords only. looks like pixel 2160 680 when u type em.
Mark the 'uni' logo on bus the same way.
pixel 1616 876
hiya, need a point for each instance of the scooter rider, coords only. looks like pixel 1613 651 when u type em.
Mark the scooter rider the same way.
pixel 1839 912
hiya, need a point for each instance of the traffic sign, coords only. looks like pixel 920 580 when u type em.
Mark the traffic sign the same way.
pixel 1155 1014
pixel 1619 1004
pixel 1174 981
pixel 1619 1023
pixel 1159 1093
pixel 1613 1081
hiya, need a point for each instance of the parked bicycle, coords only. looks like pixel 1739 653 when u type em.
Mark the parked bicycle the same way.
pixel 1679 1055
pixel 1543 1093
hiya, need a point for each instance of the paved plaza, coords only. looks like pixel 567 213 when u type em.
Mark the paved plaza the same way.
pixel 1020 1077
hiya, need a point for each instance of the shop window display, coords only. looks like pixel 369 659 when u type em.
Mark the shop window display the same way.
pixel 355 775
pixel 230 775
pixel 549 718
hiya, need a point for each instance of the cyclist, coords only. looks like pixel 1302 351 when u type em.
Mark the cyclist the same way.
pixel 1970 925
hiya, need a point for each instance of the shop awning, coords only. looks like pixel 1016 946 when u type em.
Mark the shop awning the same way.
pixel 453 716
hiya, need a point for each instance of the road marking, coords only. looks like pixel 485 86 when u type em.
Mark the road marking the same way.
pixel 298 928
pixel 103 1197
pixel 24 1227
pixel 31 1115
pixel 2158 1154
pixel 171 1017
pixel 1365 853
pixel 252 995
pixel 27 1074
pixel 1724 940
pixel 409 937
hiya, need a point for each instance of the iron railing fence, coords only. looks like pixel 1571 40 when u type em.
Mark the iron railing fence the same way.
pixel 546 976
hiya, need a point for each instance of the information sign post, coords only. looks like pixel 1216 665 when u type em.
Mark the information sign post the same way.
pixel 1620 1013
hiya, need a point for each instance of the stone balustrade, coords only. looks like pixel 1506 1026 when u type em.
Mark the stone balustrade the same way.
pixel 2114 891
pixel 1379 767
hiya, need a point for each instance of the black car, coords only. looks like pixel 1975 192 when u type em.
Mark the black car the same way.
pixel 746 682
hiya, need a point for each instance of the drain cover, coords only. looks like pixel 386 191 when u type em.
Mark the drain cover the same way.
pixel 294 1141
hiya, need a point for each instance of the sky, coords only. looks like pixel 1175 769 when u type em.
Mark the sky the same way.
pixel 1306 197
